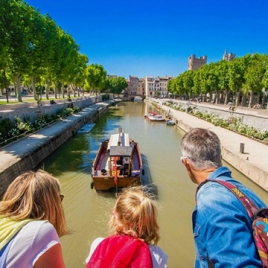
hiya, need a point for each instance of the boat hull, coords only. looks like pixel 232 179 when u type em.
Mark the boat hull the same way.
pixel 108 183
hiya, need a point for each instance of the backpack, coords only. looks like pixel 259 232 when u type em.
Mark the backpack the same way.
pixel 259 219
pixel 121 251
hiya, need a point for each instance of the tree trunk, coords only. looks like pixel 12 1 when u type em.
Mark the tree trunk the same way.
pixel 227 95
pixel 250 99
pixel 244 100
pixel 34 88
pixel 62 90
pixel 216 100
pixel 5 86
pixel 258 98
pixel 237 96
pixel 56 90
pixel 47 86
pixel 17 88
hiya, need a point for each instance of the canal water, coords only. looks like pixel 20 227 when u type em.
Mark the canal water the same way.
pixel 87 212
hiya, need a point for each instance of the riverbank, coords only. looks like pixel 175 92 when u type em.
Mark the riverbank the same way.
pixel 252 162
pixel 28 152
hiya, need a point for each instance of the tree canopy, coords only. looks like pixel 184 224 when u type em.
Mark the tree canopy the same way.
pixel 238 80
pixel 117 84
pixel 36 51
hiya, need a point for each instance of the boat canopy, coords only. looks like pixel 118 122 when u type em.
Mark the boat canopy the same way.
pixel 121 150
pixel 121 139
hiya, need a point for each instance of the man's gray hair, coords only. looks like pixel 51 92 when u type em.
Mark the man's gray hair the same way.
pixel 203 148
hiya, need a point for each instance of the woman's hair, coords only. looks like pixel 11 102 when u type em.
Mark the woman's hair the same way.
pixel 135 214
pixel 35 195
pixel 203 148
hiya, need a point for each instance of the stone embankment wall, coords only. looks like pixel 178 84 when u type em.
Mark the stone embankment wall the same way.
pixel 258 120
pixel 38 146
pixel 32 111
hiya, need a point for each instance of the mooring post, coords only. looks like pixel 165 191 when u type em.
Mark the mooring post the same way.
pixel 242 148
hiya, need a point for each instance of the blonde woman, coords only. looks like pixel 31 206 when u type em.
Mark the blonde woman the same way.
pixel 134 231
pixel 31 222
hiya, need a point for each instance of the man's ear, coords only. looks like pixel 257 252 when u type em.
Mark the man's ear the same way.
pixel 187 164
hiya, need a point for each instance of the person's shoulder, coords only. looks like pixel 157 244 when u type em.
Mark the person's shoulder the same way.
pixel 93 246
pixel 159 257
pixel 41 229
pixel 156 249
pixel 213 192
pixel 39 225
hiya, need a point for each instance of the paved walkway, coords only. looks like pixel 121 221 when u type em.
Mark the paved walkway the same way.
pixel 14 152
pixel 253 162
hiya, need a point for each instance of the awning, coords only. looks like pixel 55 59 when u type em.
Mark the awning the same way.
pixel 122 138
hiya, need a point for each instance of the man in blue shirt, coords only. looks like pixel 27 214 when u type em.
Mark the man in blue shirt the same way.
pixel 221 226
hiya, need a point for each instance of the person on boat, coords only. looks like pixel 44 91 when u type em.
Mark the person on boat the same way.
pixel 221 225
pixel 134 230
pixel 31 222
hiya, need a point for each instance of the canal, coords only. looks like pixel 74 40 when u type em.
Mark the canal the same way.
pixel 87 212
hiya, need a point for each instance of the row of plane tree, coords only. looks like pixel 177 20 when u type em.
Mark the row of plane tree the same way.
pixel 242 81
pixel 37 54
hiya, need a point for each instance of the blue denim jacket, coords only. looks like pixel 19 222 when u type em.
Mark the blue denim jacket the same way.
pixel 221 226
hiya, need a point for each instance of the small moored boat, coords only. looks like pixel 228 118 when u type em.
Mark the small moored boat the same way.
pixel 149 114
pixel 170 122
pixel 118 163
pixel 86 128
pixel 156 117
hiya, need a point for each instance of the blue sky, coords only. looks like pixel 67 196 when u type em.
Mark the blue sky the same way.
pixel 156 37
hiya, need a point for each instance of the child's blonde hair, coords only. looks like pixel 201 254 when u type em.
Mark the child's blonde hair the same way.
pixel 135 214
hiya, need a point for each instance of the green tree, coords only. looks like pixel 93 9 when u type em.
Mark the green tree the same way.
pixel 221 69
pixel 79 73
pixel 236 72
pixel 117 84
pixel 95 77
pixel 16 22
pixel 254 76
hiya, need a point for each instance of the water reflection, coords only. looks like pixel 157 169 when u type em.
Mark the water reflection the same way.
pixel 88 212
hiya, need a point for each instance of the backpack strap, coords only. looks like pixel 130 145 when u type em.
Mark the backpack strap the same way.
pixel 250 207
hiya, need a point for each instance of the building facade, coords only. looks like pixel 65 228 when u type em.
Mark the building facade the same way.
pixel 136 87
pixel 156 87
pixel 196 63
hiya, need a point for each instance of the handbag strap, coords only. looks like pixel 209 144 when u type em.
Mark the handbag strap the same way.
pixel 245 200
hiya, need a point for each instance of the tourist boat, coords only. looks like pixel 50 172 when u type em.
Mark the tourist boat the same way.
pixel 118 164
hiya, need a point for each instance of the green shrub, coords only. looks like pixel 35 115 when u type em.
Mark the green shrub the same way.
pixel 23 125
pixel 40 123
pixel 5 127
pixel 77 109
pixel 14 132
pixel 251 132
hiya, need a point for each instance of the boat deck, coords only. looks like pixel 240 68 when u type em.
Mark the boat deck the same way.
pixel 103 163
